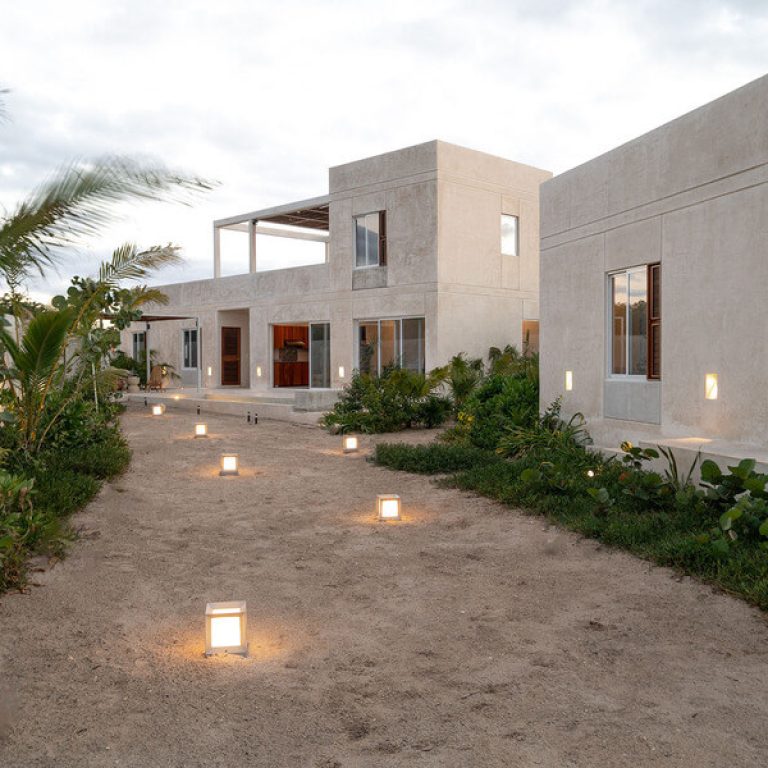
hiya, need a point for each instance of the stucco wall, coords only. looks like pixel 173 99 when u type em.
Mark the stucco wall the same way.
pixel 693 195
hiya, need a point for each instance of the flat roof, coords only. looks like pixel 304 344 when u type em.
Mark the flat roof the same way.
pixel 311 214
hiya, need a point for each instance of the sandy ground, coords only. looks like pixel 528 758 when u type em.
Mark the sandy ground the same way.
pixel 465 635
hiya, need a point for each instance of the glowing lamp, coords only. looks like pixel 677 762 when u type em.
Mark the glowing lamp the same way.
pixel 229 464
pixel 201 430
pixel 158 409
pixel 710 386
pixel 258 371
pixel 210 371
pixel 568 381
pixel 225 628
pixel 350 443
pixel 590 473
pixel 388 505
pixel 341 371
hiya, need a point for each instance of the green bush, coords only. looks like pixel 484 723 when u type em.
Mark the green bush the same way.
pixel 396 400
pixel 499 403
pixel 432 459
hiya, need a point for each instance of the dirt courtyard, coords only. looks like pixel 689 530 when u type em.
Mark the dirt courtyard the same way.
pixel 465 635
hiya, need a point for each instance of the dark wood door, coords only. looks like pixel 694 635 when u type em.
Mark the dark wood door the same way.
pixel 230 356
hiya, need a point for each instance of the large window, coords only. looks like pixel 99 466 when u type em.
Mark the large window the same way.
pixel 139 345
pixel 635 322
pixel 386 343
pixel 371 239
pixel 189 348
pixel 320 355
pixel 510 235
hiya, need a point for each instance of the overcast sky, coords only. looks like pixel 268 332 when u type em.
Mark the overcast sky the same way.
pixel 264 96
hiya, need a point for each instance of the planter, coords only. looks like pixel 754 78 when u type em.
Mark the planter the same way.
pixel 133 384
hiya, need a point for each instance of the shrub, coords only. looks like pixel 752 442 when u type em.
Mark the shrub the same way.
pixel 432 459
pixel 499 403
pixel 396 400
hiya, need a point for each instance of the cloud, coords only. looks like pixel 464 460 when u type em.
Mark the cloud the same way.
pixel 264 97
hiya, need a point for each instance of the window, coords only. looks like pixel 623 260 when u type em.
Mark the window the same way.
pixel 139 345
pixel 320 355
pixel 189 354
pixel 371 240
pixel 386 343
pixel 509 235
pixel 635 322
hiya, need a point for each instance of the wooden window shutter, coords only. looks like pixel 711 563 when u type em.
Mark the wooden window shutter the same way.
pixel 654 321
pixel 382 238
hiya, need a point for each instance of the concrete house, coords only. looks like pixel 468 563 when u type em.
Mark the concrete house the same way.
pixel 654 279
pixel 417 255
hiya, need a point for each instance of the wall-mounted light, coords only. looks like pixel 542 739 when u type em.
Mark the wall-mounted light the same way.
pixel 229 464
pixel 258 371
pixel 225 628
pixel 210 371
pixel 568 381
pixel 201 430
pixel 349 443
pixel 388 505
pixel 158 409
pixel 710 386
pixel 342 372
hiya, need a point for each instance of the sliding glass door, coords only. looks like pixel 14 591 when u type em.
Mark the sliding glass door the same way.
pixel 320 355
pixel 386 343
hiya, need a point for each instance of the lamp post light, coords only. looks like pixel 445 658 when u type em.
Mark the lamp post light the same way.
pixel 349 443
pixel 225 628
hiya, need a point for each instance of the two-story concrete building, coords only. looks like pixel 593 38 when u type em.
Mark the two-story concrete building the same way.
pixel 426 252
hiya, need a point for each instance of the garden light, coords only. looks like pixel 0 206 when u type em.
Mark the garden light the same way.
pixel 229 464
pixel 158 409
pixel 568 381
pixel 225 628
pixel 710 386
pixel 590 473
pixel 350 443
pixel 201 430
pixel 388 505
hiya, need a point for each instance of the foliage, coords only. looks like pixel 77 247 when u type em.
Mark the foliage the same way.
pixel 462 376
pixel 398 399
pixel 439 459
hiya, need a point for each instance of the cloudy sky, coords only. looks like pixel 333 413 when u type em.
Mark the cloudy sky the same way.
pixel 263 97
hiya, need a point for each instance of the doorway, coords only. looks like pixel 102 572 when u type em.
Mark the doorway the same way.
pixel 301 355
pixel 230 356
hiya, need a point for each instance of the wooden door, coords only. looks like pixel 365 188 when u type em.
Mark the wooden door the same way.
pixel 230 356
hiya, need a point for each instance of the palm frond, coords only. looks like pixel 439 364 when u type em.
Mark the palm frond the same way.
pixel 78 200
pixel 129 263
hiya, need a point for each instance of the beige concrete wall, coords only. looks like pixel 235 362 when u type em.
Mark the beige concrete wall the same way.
pixel 693 195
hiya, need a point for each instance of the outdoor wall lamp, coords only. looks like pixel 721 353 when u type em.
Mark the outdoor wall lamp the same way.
pixel 158 409
pixel 210 371
pixel 568 381
pixel 710 386
pixel 201 430
pixel 225 628
pixel 341 371
pixel 258 371
pixel 349 443
pixel 388 505
pixel 229 464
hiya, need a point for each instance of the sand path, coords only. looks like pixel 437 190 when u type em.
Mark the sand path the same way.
pixel 466 635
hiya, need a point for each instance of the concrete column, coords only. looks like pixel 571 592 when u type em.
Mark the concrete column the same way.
pixel 216 251
pixel 251 246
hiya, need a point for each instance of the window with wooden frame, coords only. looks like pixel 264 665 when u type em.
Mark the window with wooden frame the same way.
pixel 654 321
pixel 371 240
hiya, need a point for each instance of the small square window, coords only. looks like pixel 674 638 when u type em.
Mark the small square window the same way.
pixel 509 235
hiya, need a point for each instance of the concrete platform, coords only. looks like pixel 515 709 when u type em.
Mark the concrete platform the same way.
pixel 292 405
